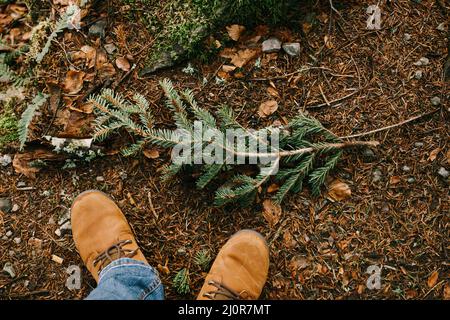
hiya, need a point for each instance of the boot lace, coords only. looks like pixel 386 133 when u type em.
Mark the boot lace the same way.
pixel 114 252
pixel 223 290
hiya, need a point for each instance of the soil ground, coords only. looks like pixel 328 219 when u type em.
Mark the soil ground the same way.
pixel 319 249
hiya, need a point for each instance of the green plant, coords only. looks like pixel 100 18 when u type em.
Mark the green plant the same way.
pixel 8 127
pixel 62 24
pixel 181 282
pixel 27 117
pixel 307 152
pixel 203 259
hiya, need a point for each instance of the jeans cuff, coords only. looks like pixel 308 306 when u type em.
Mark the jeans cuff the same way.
pixel 121 262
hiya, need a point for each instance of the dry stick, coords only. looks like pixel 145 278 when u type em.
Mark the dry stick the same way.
pixel 357 135
pixel 332 102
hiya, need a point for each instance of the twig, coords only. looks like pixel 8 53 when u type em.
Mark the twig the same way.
pixel 357 135
pixel 332 102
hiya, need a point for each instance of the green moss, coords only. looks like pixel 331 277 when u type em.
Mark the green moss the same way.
pixel 8 128
pixel 181 25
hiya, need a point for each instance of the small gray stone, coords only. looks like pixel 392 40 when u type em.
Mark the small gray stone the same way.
pixel 9 269
pixel 406 169
pixel 98 29
pixel 418 144
pixel 21 184
pixel 422 62
pixel 271 45
pixel 181 251
pixel 17 240
pixel 5 205
pixel 406 37
pixel 15 208
pixel 8 233
pixel 435 101
pixel 58 232
pixel 411 180
pixel 418 74
pixel 5 160
pixel 4 238
pixel 292 49
pixel 443 173
pixel 368 155
pixel 100 179
pixel 110 48
pixel 377 175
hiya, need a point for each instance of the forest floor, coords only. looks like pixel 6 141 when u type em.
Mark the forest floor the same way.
pixel 396 217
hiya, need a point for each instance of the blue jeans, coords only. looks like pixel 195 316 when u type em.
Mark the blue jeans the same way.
pixel 128 279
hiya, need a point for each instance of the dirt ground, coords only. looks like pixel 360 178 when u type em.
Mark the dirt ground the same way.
pixel 396 217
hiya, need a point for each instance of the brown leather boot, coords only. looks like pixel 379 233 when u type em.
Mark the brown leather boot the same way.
pixel 240 269
pixel 101 232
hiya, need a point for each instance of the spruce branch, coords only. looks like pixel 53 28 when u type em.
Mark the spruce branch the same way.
pixel 307 151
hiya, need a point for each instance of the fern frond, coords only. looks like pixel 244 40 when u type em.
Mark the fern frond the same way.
pixel 27 117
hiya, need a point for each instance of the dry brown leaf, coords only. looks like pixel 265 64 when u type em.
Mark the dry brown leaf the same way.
pixel 107 71
pixel 432 280
pixel 235 31
pixel 447 291
pixel 433 154
pixel 273 92
pixel 298 263
pixel 339 190
pixel 271 212
pixel 394 180
pixel 272 188
pixel 328 42
pixel 227 68
pixel 90 54
pixel 228 53
pixel 242 57
pixel 151 153
pixel 74 81
pixel 267 108
pixel 163 269
pixel 123 64
pixel 21 162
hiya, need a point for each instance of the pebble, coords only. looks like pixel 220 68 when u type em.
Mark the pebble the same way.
pixel 21 184
pixel 411 180
pixel 406 169
pixel 406 37
pixel 418 74
pixel 181 251
pixel 98 29
pixel 5 205
pixel 100 179
pixel 443 173
pixel 9 269
pixel 8 233
pixel 15 208
pixel 418 144
pixel 17 240
pixel 271 45
pixel 435 101
pixel 377 175
pixel 422 62
pixel 292 49
pixel 5 160
pixel 368 154
pixel 110 48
